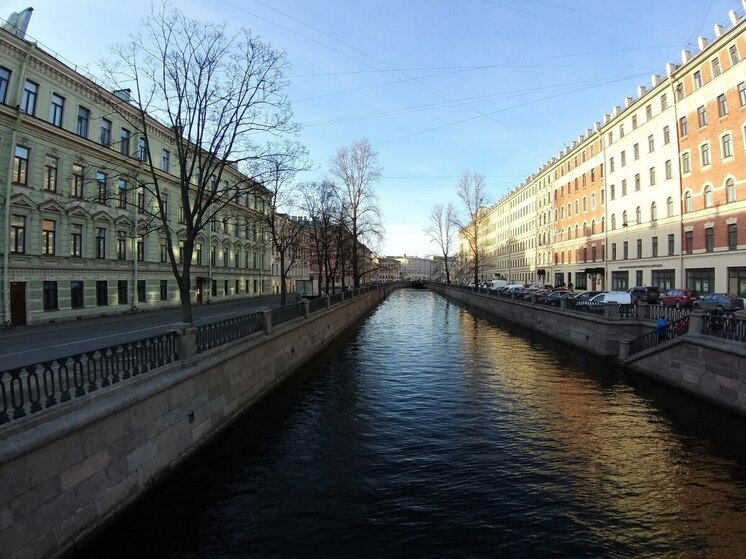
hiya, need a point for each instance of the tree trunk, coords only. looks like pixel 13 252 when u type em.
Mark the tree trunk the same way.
pixel 185 298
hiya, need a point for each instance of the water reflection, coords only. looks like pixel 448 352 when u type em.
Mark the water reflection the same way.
pixel 434 432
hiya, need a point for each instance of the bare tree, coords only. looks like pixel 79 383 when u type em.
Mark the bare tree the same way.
pixel 321 205
pixel 471 190
pixel 357 170
pixel 442 231
pixel 214 97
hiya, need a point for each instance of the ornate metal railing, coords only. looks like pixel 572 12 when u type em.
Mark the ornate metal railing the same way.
pixel 316 304
pixel 219 333
pixel 28 390
pixel 283 314
pixel 726 327
pixel 658 336
pixel 336 298
pixel 669 313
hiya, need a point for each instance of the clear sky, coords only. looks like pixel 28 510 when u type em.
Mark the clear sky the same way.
pixel 437 86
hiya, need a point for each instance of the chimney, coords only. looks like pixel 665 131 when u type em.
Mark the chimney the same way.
pixel 124 94
pixel 627 102
pixel 685 56
pixel 718 30
pixel 655 80
pixel 701 43
pixel 641 91
pixel 670 69
pixel 733 17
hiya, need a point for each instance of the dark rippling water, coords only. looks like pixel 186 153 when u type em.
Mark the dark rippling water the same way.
pixel 432 432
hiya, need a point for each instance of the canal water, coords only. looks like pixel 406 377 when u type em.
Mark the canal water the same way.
pixel 430 431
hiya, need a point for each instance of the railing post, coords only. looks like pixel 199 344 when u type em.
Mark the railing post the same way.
pixel 563 304
pixel 327 302
pixel 341 296
pixel 642 310
pixel 533 299
pixel 186 342
pixel 267 320
pixel 696 322
pixel 306 308
pixel 623 349
pixel 611 311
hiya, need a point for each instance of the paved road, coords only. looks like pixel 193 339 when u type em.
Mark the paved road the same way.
pixel 33 344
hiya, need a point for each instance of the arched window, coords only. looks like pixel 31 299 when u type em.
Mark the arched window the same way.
pixel 708 196
pixel 585 228
pixel 593 227
pixel 613 222
pixel 687 202
pixel 576 230
pixel 669 207
pixel 624 219
pixel 653 211
pixel 603 224
pixel 730 190
pixel 638 215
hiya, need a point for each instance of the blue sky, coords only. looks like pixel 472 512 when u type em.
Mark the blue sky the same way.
pixel 437 86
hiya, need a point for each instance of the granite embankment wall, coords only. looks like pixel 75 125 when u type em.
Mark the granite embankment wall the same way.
pixel 707 367
pixel 66 472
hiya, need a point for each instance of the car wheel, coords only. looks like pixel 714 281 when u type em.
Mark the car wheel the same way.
pixel 678 304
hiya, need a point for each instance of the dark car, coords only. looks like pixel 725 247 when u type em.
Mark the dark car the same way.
pixel 679 298
pixel 554 297
pixel 645 294
pixel 719 302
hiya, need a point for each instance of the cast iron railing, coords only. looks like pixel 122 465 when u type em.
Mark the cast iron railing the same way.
pixel 283 314
pixel 655 337
pixel 316 304
pixel 33 388
pixel 219 333
pixel 726 327
pixel 669 313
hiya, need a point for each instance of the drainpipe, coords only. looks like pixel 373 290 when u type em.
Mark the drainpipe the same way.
pixel 9 180
pixel 671 80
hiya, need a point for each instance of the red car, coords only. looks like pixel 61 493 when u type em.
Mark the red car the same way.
pixel 679 298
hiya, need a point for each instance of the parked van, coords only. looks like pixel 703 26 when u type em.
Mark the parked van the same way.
pixel 495 284
pixel 597 303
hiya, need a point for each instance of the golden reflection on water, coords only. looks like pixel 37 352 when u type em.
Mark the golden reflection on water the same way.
pixel 627 459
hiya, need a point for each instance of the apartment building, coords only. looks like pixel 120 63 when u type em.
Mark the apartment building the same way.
pixel 653 194
pixel 74 239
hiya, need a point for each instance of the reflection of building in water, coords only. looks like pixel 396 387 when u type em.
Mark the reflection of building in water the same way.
pixel 616 449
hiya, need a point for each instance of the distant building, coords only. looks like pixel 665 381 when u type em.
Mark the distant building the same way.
pixel 415 268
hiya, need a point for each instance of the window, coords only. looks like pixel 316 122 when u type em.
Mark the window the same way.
pixel 101 187
pixel 18 234
pixel 651 172
pixel 654 247
pixel 141 199
pixel 671 244
pixel 623 157
pixel 76 294
pixel 624 219
pixel 76 240
pixel 142 149
pixel 679 91
pixel 689 242
pixel 165 160
pixel 198 254
pixel 709 239
pixel 697 79
pixel 651 143
pixel 702 116
pixel 683 126
pixel 715 67
pixel 4 83
pixel 653 211
pixel 76 189
pixel 593 200
pixel 621 130
pixel 705 154
pixel 124 142
pixel 237 259
pixel 666 135
pixel 637 182
pixel 50 173
pixel 624 187
pixel 708 196
pixel 164 205
pixel 20 165
pixel 611 164
pixel 102 293
pixel 50 295
pixel 611 139
pixel 732 236
pixel 625 250
pixel 122 193
pixel 648 111
pixel 84 117
pixel 48 229
pixel 664 102
pixel 213 256
pixel 730 190
pixel 121 245
pixel 100 242
pixel 726 146
pixel 140 291
pixel 164 251
pixel 122 292
pixel 634 122
pixel 164 290
pixel 612 192
pixel 742 93
pixel 702 280
pixel 105 132
pixel 688 202
pixel 613 251
pixel 669 207
pixel 140 246
pixel 722 106
pixel 669 170
pixel 28 97
pixel 613 221
pixel 636 149
pixel 686 165
pixel 734 58
pixel 638 215
pixel 56 108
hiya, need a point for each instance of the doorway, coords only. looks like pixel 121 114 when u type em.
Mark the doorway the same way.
pixel 18 303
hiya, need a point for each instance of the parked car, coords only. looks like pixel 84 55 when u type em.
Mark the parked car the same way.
pixel 720 302
pixel 679 298
pixel 554 297
pixel 645 294
pixel 578 298
pixel 597 302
